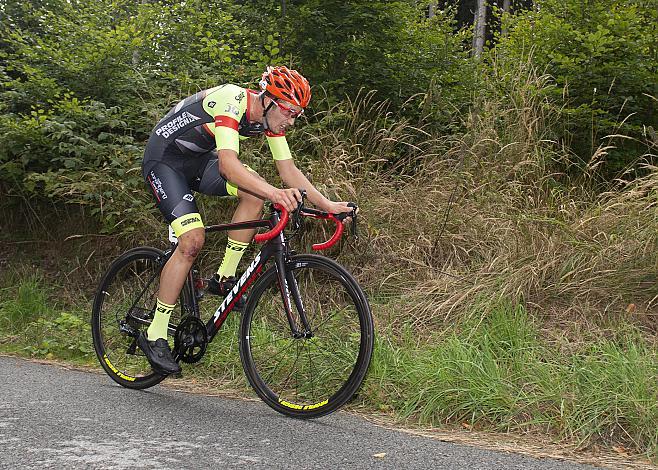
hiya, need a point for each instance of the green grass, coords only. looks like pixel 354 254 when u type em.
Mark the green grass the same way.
pixel 532 308
pixel 615 394
pixel 493 371
pixel 22 304
pixel 498 373
pixel 32 323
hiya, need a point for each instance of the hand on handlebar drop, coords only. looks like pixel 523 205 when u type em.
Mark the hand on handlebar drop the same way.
pixel 288 198
pixel 339 207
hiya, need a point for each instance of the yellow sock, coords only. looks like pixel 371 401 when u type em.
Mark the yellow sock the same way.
pixel 158 328
pixel 233 255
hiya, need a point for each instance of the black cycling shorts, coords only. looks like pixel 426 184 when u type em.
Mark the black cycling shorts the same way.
pixel 173 179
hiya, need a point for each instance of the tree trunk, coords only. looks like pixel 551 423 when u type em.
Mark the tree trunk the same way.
pixel 506 12
pixel 432 10
pixel 480 24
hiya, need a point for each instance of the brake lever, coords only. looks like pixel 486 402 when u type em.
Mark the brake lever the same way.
pixel 353 228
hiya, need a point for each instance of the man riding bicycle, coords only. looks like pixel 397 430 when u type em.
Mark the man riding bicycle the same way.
pixel 195 147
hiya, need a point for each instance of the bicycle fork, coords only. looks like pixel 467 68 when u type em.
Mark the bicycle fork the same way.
pixel 291 295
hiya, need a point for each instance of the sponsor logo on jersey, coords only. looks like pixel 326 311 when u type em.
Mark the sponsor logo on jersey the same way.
pixel 157 186
pixel 232 109
pixel 240 97
pixel 188 197
pixel 176 123
pixel 211 104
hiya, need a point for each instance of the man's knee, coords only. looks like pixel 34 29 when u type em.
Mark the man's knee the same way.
pixel 190 243
pixel 250 199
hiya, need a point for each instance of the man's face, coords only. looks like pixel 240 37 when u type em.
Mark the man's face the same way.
pixel 283 116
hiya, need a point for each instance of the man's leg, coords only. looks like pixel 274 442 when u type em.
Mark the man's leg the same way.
pixel 172 278
pixel 154 342
pixel 173 196
pixel 175 271
pixel 249 208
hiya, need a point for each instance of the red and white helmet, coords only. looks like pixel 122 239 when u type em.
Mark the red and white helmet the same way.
pixel 288 85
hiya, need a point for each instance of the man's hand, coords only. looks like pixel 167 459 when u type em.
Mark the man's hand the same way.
pixel 338 207
pixel 288 198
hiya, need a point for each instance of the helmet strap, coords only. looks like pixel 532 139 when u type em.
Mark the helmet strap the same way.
pixel 265 110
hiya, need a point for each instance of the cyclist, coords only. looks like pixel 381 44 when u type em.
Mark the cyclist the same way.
pixel 195 147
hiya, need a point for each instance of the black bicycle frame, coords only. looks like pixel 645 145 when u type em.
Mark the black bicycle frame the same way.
pixel 287 284
pixel 276 247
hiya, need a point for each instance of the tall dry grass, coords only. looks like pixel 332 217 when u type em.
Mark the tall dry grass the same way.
pixel 501 285
pixel 489 214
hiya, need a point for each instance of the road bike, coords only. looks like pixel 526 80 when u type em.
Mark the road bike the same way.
pixel 306 334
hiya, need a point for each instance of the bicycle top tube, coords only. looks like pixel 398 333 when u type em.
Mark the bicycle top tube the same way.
pixel 238 225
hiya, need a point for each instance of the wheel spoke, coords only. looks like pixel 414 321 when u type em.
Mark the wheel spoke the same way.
pixel 132 282
pixel 315 373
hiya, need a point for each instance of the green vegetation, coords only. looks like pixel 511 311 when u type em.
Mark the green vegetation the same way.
pixel 509 226
pixel 31 323
pixel 493 371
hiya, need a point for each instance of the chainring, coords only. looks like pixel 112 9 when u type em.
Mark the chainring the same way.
pixel 191 340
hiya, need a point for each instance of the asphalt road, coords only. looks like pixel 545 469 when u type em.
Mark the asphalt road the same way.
pixel 52 417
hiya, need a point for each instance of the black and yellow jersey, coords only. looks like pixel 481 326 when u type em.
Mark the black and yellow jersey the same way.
pixel 217 118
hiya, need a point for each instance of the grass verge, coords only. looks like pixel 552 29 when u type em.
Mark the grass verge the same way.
pixel 495 371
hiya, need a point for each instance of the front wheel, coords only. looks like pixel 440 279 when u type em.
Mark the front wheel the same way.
pixel 310 376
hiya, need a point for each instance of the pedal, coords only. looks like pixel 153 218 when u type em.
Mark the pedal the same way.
pixel 140 314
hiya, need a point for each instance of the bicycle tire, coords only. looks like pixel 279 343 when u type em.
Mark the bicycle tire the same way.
pixel 340 318
pixel 134 272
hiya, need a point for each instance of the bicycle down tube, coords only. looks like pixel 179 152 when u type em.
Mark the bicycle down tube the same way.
pixel 273 247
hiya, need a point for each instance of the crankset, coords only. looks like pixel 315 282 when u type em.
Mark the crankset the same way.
pixel 190 340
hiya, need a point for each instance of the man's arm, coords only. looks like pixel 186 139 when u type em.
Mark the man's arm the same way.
pixel 294 178
pixel 233 170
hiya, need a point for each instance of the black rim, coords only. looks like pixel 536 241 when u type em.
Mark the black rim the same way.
pixel 312 375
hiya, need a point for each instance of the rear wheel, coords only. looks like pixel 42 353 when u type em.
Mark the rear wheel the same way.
pixel 123 307
pixel 314 375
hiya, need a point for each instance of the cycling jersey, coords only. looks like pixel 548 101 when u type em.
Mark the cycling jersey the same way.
pixel 182 152
pixel 211 119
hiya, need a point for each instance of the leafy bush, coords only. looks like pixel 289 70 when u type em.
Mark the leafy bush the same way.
pixel 602 56
pixel 69 134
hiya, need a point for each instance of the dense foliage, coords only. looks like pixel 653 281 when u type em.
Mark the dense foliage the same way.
pixel 83 85
pixel 603 56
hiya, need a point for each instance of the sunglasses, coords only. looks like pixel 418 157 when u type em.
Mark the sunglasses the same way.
pixel 288 111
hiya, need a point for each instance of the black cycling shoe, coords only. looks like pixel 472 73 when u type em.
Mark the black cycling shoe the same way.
pixel 222 287
pixel 158 354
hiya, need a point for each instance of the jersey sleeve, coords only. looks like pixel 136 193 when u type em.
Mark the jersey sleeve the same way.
pixel 278 146
pixel 226 104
